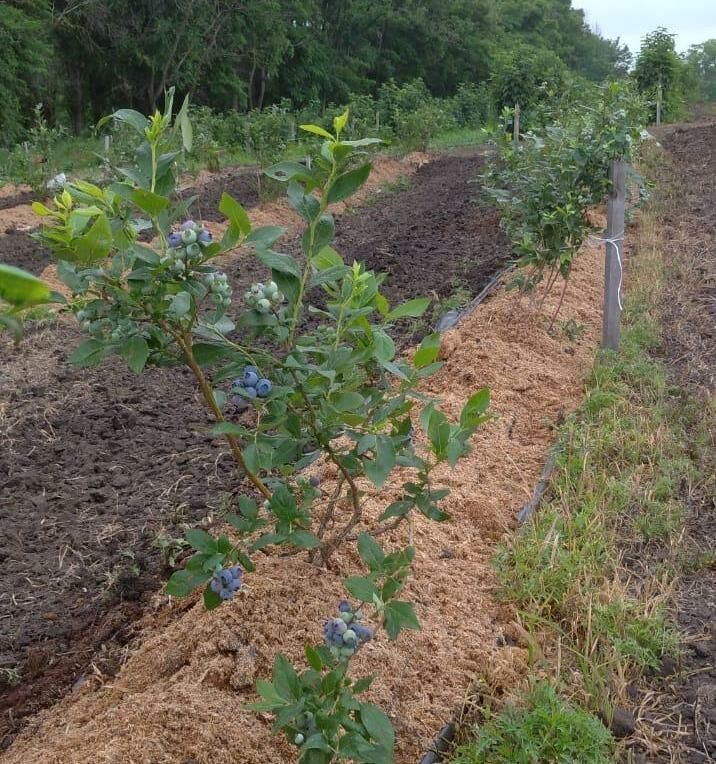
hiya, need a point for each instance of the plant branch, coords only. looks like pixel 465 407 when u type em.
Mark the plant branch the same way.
pixel 184 341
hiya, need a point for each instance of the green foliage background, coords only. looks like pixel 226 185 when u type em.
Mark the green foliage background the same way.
pixel 83 58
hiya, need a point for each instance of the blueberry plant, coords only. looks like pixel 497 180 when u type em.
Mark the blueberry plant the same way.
pixel 546 183
pixel 303 369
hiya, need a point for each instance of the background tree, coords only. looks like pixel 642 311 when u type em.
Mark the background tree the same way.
pixel 658 64
pixel 25 56
pixel 702 61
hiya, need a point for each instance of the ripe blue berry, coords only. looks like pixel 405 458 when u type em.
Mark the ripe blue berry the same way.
pixel 315 481
pixel 263 388
pixel 205 237
pixel 174 239
pixel 250 377
pixel 251 392
pixel 188 224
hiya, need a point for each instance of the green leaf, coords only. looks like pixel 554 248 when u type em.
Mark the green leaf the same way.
pixel 370 552
pixel 383 346
pixel 348 183
pixel 413 308
pixel 377 724
pixel 211 599
pixel 265 237
pixel 180 304
pixel 21 288
pixel 235 213
pixel 130 117
pixel 285 679
pixel 267 691
pixel 360 587
pixel 474 410
pixel 279 262
pixel 326 258
pixel 201 540
pixel 340 122
pixel 399 615
pixel 378 468
pixel 96 244
pixel 397 509
pixel 135 352
pixel 184 582
pixel 228 428
pixel 304 540
pixel 313 657
pixel 427 352
pixel 362 684
pixel 316 130
pixel 187 132
pixel 149 202
pixel 86 354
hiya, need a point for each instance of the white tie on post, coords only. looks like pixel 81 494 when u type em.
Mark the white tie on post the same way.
pixel 614 255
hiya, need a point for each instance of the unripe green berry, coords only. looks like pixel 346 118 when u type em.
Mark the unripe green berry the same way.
pixel 263 305
pixel 193 250
pixel 349 636
pixel 188 236
pixel 298 740
pixel 347 617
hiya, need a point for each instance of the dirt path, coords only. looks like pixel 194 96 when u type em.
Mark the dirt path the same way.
pixel 683 708
pixel 99 466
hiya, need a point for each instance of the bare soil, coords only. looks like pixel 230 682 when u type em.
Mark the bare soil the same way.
pixel 680 708
pixel 98 465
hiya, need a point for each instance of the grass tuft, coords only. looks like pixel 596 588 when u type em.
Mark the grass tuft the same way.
pixel 545 729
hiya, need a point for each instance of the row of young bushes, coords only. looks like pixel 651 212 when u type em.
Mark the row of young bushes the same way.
pixel 546 182
pixel 333 389
pixel 406 115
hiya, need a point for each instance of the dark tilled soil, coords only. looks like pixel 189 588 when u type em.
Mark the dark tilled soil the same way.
pixel 22 197
pixel 689 348
pixel 18 248
pixel 241 182
pixel 433 238
pixel 97 465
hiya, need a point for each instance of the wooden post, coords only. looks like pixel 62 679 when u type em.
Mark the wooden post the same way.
pixel 516 124
pixel 377 120
pixel 614 260
pixel 107 143
pixel 659 97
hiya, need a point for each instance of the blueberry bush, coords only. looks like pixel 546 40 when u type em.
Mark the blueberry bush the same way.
pixel 303 369
pixel 546 183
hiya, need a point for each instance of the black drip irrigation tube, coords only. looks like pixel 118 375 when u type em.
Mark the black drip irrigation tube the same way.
pixel 453 317
pixel 440 745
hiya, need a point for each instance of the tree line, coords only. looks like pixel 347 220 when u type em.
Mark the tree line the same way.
pixel 82 58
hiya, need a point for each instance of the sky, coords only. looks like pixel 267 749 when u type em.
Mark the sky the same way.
pixel 693 21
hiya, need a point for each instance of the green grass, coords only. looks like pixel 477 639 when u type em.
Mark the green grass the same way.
pixel 544 729
pixel 592 570
pixel 464 136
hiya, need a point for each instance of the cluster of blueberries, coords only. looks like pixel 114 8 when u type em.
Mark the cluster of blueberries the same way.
pixel 251 385
pixel 345 634
pixel 226 582
pixel 262 297
pixel 186 249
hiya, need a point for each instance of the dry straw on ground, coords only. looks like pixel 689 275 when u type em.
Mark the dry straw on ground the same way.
pixel 179 697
